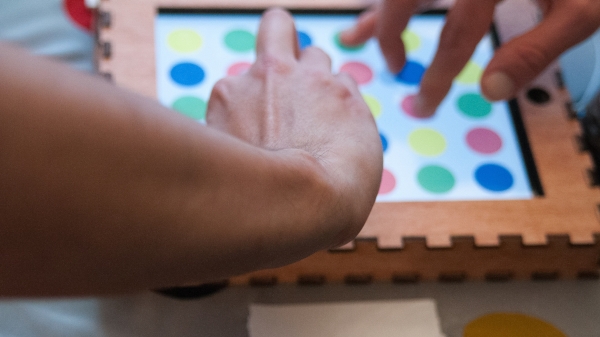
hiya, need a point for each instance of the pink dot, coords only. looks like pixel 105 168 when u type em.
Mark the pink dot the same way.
pixel 238 68
pixel 484 140
pixel 388 182
pixel 361 73
pixel 407 105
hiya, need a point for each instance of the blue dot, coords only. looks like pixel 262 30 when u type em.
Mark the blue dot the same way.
pixel 494 177
pixel 187 74
pixel 304 40
pixel 384 142
pixel 411 73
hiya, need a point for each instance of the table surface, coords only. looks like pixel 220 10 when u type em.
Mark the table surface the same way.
pixel 571 306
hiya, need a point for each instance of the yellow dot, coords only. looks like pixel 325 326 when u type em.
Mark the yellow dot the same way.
pixel 411 41
pixel 510 325
pixel 470 74
pixel 427 142
pixel 184 40
pixel 373 105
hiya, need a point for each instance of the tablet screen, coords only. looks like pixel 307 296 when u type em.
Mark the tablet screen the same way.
pixel 470 149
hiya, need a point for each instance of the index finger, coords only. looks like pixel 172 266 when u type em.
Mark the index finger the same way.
pixel 277 35
pixel 466 24
pixel 394 16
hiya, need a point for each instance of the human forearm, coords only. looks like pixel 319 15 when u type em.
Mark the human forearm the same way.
pixel 105 191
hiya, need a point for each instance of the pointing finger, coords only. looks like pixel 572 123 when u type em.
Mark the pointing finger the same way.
pixel 393 18
pixel 277 36
pixel 466 23
pixel 363 29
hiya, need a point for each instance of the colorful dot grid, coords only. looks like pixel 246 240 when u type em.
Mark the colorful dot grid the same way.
pixel 467 151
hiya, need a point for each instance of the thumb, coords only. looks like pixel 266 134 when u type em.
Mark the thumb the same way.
pixel 520 60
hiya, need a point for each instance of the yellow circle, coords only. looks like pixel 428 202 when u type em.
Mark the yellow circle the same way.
pixel 427 142
pixel 373 105
pixel 411 40
pixel 510 325
pixel 471 74
pixel 184 40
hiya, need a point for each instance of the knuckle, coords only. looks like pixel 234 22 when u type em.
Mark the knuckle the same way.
pixel 355 104
pixel 328 85
pixel 342 89
pixel 348 82
pixel 345 93
pixel 222 89
pixel 338 87
pixel 319 76
pixel 347 78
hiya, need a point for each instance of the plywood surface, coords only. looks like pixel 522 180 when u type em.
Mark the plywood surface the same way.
pixel 568 208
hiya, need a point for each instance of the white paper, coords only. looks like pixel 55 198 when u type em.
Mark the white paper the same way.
pixel 405 318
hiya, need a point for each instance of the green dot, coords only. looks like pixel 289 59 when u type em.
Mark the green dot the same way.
pixel 184 40
pixel 240 40
pixel 435 179
pixel 474 105
pixel 373 105
pixel 344 47
pixel 427 142
pixel 470 74
pixel 191 106
pixel 411 41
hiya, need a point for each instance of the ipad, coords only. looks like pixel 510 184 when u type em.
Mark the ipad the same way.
pixel 469 150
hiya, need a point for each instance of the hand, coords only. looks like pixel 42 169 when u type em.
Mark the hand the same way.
pixel 516 63
pixel 290 100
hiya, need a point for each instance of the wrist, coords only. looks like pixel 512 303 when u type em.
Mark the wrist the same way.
pixel 330 212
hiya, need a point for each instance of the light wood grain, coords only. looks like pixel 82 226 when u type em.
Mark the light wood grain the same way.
pixel 568 209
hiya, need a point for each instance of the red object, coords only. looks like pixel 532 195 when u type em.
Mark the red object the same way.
pixel 79 13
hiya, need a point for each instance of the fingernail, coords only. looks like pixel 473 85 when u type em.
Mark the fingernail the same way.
pixel 498 86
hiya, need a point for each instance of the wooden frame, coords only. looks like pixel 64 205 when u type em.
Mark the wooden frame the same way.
pixel 557 235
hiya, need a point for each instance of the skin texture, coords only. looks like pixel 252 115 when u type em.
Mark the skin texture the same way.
pixel 516 63
pixel 105 191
